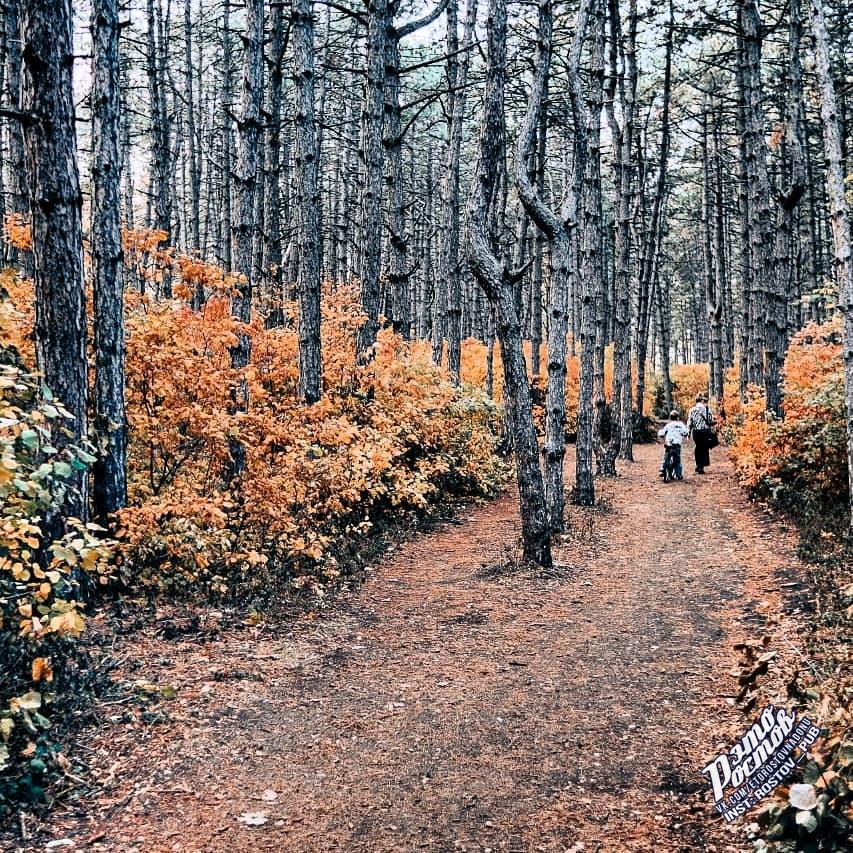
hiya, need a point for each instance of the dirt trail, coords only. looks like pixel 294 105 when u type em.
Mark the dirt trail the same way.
pixel 441 707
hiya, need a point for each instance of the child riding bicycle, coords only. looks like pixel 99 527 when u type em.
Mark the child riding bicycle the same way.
pixel 673 435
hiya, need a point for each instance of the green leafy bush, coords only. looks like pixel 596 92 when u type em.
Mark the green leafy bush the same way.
pixel 39 618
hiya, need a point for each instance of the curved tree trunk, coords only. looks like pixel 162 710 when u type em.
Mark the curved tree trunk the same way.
pixel 499 286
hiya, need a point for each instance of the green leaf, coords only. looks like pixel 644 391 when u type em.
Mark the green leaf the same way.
pixel 30 439
pixel 62 469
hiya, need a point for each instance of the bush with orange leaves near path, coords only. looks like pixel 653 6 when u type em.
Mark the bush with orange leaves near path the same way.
pixel 799 462
pixel 386 441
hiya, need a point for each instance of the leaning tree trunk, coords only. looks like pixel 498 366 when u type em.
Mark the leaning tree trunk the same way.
pixel 310 373
pixel 499 286
pixel 109 490
pixel 839 213
pixel 50 152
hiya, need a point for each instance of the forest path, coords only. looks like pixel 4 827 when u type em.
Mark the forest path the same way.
pixel 442 707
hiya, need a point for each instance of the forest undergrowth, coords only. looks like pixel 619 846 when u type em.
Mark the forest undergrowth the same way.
pixel 390 441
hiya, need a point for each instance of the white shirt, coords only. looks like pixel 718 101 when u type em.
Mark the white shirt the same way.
pixel 673 433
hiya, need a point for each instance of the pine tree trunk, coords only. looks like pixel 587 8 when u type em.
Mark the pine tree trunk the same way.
pixel 558 231
pixel 50 152
pixel 161 165
pixel 758 188
pixel 787 201
pixel 225 96
pixel 839 214
pixel 273 259
pixel 450 232
pixel 192 138
pixel 373 161
pixel 246 180
pixel 398 274
pixel 310 371
pixel 651 250
pixel 16 185
pixel 498 285
pixel 109 486
pixel 623 170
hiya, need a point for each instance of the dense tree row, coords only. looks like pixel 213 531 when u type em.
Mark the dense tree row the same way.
pixel 664 180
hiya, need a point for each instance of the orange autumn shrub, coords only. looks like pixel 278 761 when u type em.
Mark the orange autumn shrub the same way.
pixel 688 381
pixel 386 441
pixel 17 232
pixel 799 462
pixel 732 404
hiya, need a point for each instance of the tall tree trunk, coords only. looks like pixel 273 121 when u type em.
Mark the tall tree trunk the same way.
pixel 623 172
pixel 225 95
pixel 109 491
pixel 449 268
pixel 161 165
pixel 839 214
pixel 273 259
pixel 246 179
pixel 373 162
pixel 16 172
pixel 398 274
pixel 193 148
pixel 787 201
pixel 310 371
pixel 557 229
pixel 616 305
pixel 655 227
pixel 50 151
pixel 712 260
pixel 499 286
pixel 745 366
pixel 758 188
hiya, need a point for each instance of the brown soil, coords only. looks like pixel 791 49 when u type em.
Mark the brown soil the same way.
pixel 448 704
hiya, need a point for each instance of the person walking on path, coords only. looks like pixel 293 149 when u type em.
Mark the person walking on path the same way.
pixel 700 422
